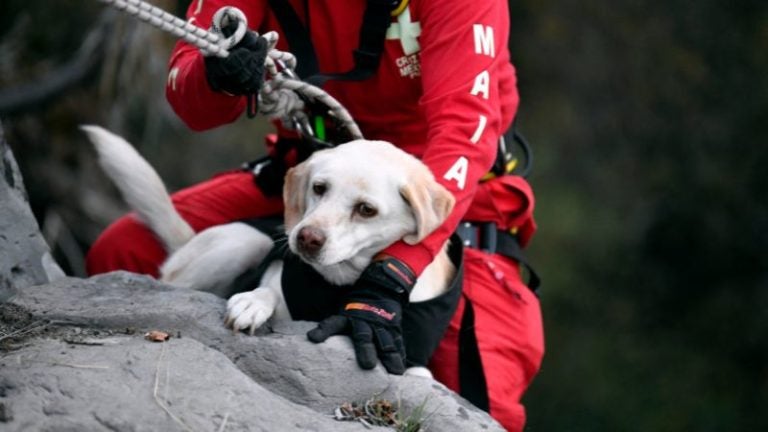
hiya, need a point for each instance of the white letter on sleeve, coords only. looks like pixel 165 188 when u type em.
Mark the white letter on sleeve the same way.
pixel 458 172
pixel 484 40
pixel 482 121
pixel 482 83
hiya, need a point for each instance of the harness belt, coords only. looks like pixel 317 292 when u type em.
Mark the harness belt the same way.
pixel 487 237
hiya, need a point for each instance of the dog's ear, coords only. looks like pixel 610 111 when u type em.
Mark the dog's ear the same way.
pixel 431 204
pixel 295 193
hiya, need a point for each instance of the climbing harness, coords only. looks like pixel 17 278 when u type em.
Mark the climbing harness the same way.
pixel 486 236
pixel 283 96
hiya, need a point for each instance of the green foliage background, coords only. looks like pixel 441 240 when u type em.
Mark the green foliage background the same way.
pixel 649 124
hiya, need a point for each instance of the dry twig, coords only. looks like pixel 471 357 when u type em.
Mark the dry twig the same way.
pixel 158 400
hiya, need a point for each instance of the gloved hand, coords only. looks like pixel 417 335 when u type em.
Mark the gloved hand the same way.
pixel 372 314
pixel 242 72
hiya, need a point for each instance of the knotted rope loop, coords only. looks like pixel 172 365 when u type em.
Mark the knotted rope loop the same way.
pixel 224 17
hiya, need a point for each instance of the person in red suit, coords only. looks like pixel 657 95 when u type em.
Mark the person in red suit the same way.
pixel 443 89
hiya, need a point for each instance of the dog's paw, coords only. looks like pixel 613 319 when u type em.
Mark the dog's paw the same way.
pixel 419 371
pixel 249 310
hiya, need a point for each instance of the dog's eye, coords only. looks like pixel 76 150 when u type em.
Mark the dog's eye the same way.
pixel 319 188
pixel 365 210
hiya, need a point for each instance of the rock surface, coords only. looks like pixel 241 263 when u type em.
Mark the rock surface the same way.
pixel 125 383
pixel 73 356
pixel 25 258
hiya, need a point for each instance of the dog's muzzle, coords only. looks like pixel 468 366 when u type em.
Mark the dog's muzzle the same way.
pixel 310 241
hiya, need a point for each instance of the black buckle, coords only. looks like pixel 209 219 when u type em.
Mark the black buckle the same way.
pixel 487 237
pixel 483 235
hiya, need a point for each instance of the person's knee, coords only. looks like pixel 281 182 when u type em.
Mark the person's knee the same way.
pixel 125 245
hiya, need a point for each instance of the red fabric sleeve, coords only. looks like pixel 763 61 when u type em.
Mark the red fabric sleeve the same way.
pixel 187 89
pixel 469 99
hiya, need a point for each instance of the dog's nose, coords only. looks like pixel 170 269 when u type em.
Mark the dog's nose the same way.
pixel 310 240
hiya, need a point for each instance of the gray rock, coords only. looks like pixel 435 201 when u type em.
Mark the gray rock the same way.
pixel 130 384
pixel 25 258
pixel 317 376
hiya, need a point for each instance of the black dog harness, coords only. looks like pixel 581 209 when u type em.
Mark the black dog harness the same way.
pixel 310 297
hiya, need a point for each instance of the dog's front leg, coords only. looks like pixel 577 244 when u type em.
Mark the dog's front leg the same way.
pixel 249 310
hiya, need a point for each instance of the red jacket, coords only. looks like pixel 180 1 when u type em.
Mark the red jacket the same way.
pixel 445 89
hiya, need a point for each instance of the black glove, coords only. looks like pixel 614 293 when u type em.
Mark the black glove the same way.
pixel 372 313
pixel 242 72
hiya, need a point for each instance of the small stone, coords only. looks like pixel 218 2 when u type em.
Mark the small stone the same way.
pixel 157 336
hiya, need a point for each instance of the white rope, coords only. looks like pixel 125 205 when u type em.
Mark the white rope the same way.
pixel 276 101
pixel 279 96
pixel 209 43
pixel 222 18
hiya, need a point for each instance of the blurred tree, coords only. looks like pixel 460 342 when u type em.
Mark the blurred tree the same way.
pixel 649 126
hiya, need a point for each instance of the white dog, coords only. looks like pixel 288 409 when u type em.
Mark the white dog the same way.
pixel 342 207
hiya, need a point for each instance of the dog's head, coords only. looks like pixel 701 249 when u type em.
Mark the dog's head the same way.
pixel 346 204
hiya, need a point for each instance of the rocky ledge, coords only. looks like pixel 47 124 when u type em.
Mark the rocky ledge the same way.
pixel 75 356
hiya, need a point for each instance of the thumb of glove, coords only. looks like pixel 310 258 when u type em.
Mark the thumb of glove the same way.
pixel 333 325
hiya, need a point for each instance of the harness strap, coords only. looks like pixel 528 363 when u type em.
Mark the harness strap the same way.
pixel 373 30
pixel 487 237
pixel 251 278
pixel 297 36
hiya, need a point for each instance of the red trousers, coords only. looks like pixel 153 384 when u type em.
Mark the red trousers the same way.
pixel 508 332
pixel 507 318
